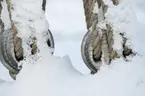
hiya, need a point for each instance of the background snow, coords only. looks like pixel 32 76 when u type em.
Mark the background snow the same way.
pixel 56 76
pixel 67 23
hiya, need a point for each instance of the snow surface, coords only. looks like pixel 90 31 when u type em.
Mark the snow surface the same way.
pixel 68 16
pixel 62 76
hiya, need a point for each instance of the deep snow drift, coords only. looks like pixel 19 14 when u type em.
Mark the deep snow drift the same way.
pixel 56 76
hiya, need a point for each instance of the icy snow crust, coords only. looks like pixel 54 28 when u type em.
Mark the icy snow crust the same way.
pixel 46 75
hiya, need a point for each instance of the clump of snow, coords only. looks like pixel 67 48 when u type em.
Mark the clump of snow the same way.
pixel 29 19
pixel 119 18
pixel 123 20
pixel 106 1
pixel 95 9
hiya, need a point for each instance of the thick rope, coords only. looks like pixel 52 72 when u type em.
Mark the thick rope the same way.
pixel 99 48
pixel 17 41
pixel 6 44
pixel 90 16
pixel 91 25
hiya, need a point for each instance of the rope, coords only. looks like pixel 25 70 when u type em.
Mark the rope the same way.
pixel 90 16
pixel 96 47
pixel 17 41
pixel 6 44
pixel 11 45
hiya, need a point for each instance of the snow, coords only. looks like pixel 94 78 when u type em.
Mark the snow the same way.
pixel 5 15
pixel 68 16
pixel 29 20
pixel 95 9
pixel 55 76
pixel 46 75
pixel 123 20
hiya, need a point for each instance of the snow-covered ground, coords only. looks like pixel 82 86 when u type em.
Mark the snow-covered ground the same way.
pixel 68 16
pixel 60 75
